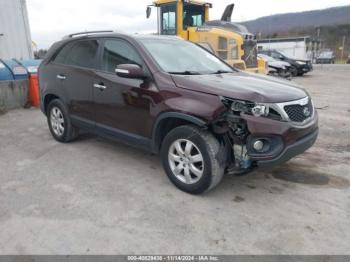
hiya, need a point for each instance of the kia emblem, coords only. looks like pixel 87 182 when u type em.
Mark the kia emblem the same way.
pixel 306 111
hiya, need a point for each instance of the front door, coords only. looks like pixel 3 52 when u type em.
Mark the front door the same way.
pixel 122 105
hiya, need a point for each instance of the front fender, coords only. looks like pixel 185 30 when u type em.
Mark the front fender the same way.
pixel 157 127
pixel 205 108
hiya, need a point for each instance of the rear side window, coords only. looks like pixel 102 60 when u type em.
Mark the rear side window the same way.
pixel 61 56
pixel 117 52
pixel 81 53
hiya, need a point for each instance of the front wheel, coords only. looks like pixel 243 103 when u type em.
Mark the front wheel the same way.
pixel 294 71
pixel 193 159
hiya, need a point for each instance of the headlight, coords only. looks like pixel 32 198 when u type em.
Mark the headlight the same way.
pixel 249 107
pixel 260 110
pixel 301 63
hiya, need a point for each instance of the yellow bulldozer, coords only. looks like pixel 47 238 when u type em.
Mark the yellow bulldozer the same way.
pixel 189 19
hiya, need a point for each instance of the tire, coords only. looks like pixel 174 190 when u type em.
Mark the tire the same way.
pixel 294 71
pixel 59 122
pixel 202 175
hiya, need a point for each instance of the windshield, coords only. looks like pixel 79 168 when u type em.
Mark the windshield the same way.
pixel 287 55
pixel 194 15
pixel 326 55
pixel 182 57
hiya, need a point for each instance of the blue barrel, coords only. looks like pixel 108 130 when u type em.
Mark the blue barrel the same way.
pixel 5 72
pixel 17 70
pixel 30 65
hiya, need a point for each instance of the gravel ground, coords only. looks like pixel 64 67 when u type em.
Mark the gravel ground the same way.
pixel 94 196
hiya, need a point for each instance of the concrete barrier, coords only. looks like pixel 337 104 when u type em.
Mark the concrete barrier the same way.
pixel 13 94
pixel 332 67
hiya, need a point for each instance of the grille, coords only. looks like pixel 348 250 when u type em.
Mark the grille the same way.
pixel 222 43
pixel 299 113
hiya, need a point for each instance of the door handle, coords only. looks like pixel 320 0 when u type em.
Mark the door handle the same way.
pixel 100 86
pixel 61 77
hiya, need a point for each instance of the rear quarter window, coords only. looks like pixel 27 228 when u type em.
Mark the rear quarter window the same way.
pixel 81 53
pixel 62 54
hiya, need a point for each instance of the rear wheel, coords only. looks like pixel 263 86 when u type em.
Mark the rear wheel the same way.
pixel 59 122
pixel 193 159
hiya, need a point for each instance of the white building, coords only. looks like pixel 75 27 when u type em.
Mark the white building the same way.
pixel 15 39
pixel 298 47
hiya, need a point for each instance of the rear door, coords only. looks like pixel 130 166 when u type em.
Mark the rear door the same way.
pixel 122 105
pixel 77 76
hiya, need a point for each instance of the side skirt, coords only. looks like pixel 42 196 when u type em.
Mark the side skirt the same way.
pixel 114 134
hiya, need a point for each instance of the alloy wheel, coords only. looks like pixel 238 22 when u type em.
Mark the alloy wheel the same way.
pixel 57 121
pixel 186 161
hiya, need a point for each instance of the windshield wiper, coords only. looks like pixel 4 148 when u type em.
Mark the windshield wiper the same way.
pixel 222 72
pixel 187 72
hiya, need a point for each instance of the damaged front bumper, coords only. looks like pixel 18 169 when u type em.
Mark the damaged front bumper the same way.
pixel 290 151
pixel 285 139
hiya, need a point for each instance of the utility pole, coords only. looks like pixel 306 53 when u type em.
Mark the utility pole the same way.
pixel 342 48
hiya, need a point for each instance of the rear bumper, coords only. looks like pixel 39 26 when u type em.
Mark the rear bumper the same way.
pixel 291 151
pixel 324 61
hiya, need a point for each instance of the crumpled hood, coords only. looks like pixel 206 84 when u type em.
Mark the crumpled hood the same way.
pixel 242 86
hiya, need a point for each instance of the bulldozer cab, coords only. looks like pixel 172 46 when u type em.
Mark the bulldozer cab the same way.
pixel 176 16
pixel 189 19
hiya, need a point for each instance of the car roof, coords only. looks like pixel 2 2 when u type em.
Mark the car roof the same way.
pixel 87 35
pixel 103 34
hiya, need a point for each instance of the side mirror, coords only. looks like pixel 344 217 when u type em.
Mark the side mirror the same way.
pixel 130 71
pixel 281 57
pixel 148 12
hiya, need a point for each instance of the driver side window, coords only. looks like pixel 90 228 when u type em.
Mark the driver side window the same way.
pixel 117 52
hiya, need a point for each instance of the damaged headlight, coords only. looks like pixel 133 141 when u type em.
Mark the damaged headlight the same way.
pixel 256 109
pixel 260 110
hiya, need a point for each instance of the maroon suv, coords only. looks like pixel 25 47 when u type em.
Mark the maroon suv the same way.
pixel 172 97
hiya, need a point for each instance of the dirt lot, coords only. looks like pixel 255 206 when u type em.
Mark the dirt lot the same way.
pixel 99 197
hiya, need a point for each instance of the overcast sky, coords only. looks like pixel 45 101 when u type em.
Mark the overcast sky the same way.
pixel 52 19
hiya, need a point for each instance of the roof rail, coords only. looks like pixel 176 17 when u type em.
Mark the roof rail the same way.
pixel 87 33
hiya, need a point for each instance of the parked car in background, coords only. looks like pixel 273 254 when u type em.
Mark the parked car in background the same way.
pixel 299 66
pixel 348 59
pixel 326 57
pixel 174 98
pixel 276 67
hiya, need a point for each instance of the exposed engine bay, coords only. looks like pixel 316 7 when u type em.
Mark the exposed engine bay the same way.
pixel 235 134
